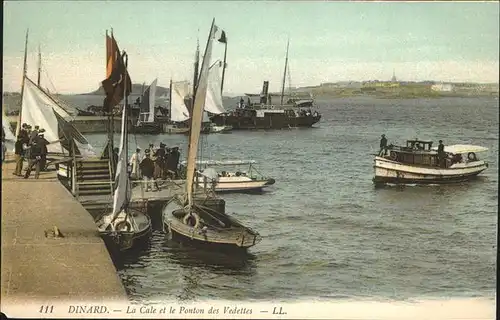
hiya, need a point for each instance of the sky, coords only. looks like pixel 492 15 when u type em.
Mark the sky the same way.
pixel 329 41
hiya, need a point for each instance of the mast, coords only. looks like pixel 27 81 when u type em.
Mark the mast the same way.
pixel 18 127
pixel 284 73
pixel 223 66
pixel 39 65
pixel 170 101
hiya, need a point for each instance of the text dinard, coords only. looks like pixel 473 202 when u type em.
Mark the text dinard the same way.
pixel 158 309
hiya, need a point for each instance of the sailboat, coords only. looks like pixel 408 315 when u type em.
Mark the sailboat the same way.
pixel 146 121
pixel 124 226
pixel 194 223
pixel 178 112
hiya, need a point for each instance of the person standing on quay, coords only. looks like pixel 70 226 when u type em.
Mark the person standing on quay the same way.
pixel 147 170
pixel 134 163
pixel 19 155
pixel 42 142
pixel 35 157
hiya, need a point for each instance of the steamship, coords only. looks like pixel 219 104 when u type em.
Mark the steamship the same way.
pixel 264 114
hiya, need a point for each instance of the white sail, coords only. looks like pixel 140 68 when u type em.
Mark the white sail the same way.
pixel 199 102
pixel 123 191
pixel 178 110
pixel 36 110
pixel 152 100
pixel 213 100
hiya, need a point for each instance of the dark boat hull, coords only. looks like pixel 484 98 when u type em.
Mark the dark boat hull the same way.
pixel 149 128
pixel 127 241
pixel 274 121
pixel 204 245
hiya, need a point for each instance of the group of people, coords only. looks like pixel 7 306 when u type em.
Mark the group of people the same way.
pixel 156 164
pixel 32 146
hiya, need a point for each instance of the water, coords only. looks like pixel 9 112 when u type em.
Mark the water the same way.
pixel 327 232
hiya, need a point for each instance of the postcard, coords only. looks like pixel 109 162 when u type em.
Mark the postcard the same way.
pixel 249 160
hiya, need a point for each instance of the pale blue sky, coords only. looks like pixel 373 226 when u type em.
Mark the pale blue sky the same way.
pixel 329 41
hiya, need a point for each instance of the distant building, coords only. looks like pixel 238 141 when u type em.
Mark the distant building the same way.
pixel 442 87
pixel 393 79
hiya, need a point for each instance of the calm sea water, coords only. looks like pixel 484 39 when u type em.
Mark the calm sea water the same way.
pixel 327 232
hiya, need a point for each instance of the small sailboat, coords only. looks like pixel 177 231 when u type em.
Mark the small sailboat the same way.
pixel 123 227
pixel 194 223
pixel 146 121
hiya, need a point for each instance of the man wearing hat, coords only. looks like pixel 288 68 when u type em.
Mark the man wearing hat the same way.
pixel 23 133
pixel 147 167
pixel 34 159
pixel 34 134
pixel 441 154
pixel 43 146
pixel 383 142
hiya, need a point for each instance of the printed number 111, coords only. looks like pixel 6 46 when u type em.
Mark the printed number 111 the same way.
pixel 46 309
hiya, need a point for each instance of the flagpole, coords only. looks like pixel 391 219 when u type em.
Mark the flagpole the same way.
pixel 111 145
pixel 18 127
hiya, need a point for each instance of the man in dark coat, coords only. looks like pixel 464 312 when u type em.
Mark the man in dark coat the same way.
pixel 441 154
pixel 147 167
pixel 383 142
pixel 35 156
pixel 23 133
pixel 43 146
pixel 19 155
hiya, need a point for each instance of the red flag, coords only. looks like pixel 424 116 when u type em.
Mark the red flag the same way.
pixel 114 85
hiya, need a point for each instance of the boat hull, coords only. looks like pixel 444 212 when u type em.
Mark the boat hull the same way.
pixel 275 121
pixel 388 171
pixel 146 128
pixel 241 186
pixel 127 240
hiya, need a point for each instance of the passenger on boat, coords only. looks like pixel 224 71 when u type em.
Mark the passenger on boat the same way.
pixel 441 154
pixel 383 142
pixel 147 167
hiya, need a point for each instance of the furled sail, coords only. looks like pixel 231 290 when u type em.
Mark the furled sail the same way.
pixel 38 109
pixel 123 191
pixel 213 100
pixel 178 110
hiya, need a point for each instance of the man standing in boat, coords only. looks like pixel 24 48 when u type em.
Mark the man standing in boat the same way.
pixel 383 143
pixel 441 154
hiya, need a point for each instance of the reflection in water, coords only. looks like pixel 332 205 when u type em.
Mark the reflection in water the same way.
pixel 192 271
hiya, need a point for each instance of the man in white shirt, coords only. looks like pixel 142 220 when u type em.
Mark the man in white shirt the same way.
pixel 134 162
